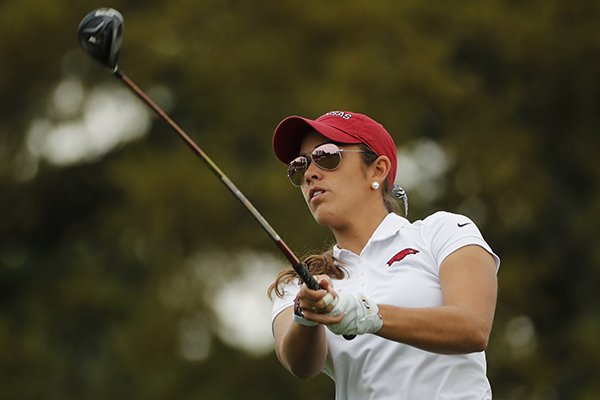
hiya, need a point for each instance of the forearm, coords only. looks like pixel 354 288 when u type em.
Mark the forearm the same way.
pixel 300 349
pixel 450 329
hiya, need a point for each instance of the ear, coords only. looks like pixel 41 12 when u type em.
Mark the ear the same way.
pixel 379 170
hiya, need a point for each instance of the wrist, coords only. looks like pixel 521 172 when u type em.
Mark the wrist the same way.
pixel 299 315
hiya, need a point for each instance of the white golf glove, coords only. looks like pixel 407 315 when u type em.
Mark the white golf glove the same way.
pixel 361 315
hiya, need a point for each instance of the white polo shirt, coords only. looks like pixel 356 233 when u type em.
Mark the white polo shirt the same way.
pixel 400 266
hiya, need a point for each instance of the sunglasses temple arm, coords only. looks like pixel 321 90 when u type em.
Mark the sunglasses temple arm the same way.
pixel 298 266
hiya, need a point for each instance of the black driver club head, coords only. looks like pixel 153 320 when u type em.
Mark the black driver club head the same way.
pixel 100 35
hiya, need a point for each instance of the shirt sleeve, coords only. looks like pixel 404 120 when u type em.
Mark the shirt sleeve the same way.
pixel 290 290
pixel 448 232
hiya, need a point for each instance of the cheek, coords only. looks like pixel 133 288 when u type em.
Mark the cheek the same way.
pixel 356 179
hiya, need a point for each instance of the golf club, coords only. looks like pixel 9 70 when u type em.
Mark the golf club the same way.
pixel 100 36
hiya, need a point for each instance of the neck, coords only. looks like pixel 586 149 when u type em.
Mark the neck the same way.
pixel 355 234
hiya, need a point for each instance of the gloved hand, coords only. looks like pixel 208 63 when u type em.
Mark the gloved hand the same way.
pixel 361 315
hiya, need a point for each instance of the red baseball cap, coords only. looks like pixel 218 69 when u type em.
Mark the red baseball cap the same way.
pixel 339 126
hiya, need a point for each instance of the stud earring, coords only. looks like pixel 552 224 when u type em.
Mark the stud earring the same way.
pixel 375 185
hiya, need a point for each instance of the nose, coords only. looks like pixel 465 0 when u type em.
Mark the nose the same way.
pixel 312 172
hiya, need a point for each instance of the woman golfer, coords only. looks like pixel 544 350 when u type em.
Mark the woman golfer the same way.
pixel 419 297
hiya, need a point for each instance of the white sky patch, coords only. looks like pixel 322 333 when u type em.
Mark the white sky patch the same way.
pixel 521 336
pixel 421 165
pixel 67 98
pixel 81 126
pixel 234 286
pixel 242 306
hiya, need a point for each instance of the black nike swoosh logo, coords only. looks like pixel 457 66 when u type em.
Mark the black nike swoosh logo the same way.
pixel 461 225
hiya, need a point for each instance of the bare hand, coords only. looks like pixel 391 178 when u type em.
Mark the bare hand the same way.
pixel 316 303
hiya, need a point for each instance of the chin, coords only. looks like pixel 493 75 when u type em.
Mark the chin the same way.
pixel 325 217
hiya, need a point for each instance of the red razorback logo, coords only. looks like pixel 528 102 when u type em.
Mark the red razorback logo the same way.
pixel 400 255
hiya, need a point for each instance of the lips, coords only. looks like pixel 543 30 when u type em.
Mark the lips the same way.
pixel 315 193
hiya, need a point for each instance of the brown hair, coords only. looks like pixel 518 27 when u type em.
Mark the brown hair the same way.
pixel 325 263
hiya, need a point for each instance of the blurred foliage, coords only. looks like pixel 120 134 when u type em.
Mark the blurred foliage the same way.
pixel 509 89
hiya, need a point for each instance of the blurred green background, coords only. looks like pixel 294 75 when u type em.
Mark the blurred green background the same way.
pixel 128 272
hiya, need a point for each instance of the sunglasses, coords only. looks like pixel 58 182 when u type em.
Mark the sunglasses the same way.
pixel 326 156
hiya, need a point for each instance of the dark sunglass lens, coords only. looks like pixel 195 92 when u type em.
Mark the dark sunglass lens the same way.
pixel 297 178
pixel 327 156
pixel 296 170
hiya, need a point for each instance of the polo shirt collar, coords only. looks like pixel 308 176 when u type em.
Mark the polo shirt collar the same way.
pixel 391 224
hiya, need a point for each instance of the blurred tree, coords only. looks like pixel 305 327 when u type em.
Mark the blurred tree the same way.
pixel 508 90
